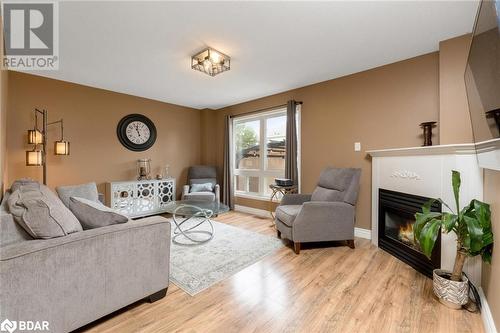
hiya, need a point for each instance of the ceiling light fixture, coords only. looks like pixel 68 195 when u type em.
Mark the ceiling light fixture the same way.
pixel 211 62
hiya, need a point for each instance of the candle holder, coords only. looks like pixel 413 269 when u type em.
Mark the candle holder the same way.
pixel 427 127
pixel 144 168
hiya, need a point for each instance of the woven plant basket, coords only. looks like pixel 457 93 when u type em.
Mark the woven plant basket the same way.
pixel 453 294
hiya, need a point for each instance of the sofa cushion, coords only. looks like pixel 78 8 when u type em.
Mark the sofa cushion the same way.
pixel 92 214
pixel 287 213
pixel 205 187
pixel 212 181
pixel 325 194
pixel 87 191
pixel 200 196
pixel 40 212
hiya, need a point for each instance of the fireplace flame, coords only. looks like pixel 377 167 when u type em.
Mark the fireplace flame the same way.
pixel 406 233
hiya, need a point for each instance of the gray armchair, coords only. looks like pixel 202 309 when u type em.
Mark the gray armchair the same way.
pixel 201 174
pixel 328 214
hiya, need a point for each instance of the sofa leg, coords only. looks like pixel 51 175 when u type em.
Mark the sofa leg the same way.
pixel 278 233
pixel 157 296
pixel 296 247
pixel 350 243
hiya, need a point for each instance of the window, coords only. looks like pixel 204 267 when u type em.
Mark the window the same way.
pixel 252 135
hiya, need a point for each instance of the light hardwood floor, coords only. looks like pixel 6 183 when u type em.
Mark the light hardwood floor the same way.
pixel 327 289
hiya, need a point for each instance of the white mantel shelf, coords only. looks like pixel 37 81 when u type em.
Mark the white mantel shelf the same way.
pixel 455 149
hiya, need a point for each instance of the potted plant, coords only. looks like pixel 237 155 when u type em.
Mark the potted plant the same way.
pixel 472 226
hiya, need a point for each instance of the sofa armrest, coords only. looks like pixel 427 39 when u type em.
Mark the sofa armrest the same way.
pixel 217 192
pixel 185 190
pixel 295 199
pixel 319 220
pixel 73 280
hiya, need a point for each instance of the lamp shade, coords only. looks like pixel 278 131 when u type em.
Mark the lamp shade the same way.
pixel 34 137
pixel 34 158
pixel 61 148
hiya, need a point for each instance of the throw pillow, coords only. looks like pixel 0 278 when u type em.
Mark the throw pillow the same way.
pixel 206 187
pixel 87 191
pixel 40 212
pixel 92 214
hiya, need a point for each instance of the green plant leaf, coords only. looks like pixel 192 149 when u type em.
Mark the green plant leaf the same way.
pixel 449 221
pixel 475 234
pixel 455 182
pixel 486 253
pixel 428 236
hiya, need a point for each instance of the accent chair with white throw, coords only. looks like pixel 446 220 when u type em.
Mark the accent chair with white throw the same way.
pixel 328 214
pixel 202 184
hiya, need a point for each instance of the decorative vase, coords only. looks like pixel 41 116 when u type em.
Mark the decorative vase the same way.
pixel 453 294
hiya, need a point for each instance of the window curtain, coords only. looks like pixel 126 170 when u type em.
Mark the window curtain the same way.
pixel 291 161
pixel 227 183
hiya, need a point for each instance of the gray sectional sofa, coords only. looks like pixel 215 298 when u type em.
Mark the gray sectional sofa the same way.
pixel 73 280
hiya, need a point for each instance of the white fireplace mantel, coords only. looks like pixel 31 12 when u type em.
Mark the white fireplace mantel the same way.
pixel 426 171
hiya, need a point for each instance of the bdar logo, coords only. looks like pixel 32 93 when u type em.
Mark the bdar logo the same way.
pixel 8 326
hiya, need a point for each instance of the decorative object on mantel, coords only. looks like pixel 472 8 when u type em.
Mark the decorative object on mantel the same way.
pixel 472 225
pixel 38 157
pixel 427 126
pixel 143 168
pixel 496 115
pixel 167 170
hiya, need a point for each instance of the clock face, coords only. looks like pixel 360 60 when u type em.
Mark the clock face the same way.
pixel 136 132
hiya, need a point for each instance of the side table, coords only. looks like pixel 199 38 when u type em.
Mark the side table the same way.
pixel 276 189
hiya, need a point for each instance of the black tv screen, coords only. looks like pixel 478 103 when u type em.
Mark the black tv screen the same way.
pixel 482 80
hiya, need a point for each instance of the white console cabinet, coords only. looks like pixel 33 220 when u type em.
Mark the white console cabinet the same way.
pixel 141 197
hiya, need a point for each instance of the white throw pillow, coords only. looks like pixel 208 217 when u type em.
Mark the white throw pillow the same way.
pixel 205 187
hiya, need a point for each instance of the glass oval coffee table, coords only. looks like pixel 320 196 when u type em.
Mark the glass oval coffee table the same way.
pixel 191 216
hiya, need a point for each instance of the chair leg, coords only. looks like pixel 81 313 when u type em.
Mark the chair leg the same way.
pixel 296 247
pixel 278 233
pixel 350 243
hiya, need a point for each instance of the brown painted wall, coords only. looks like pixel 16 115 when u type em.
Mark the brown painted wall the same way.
pixel 454 120
pixel 491 273
pixel 381 108
pixel 90 119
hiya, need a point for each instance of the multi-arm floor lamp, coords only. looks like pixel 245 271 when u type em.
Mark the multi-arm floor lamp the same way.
pixel 36 156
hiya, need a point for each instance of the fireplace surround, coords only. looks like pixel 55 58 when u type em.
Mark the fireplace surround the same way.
pixel 426 172
pixel 396 219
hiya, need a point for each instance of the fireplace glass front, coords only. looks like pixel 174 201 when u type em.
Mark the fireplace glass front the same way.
pixel 396 220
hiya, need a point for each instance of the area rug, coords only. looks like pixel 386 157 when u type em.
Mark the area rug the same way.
pixel 194 268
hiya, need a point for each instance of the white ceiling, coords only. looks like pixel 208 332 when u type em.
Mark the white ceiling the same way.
pixel 144 48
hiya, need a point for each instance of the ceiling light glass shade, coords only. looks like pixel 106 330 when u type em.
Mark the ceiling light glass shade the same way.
pixel 34 158
pixel 34 137
pixel 61 148
pixel 211 62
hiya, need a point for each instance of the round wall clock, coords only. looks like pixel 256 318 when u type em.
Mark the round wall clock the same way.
pixel 136 132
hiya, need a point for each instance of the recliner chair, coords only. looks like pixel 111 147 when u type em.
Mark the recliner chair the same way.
pixel 201 174
pixel 328 214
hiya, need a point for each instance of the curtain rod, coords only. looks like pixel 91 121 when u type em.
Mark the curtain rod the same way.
pixel 261 110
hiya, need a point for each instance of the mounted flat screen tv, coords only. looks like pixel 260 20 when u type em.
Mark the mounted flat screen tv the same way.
pixel 482 81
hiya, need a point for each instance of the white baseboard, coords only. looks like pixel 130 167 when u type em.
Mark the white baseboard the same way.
pixel 489 324
pixel 253 211
pixel 363 233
